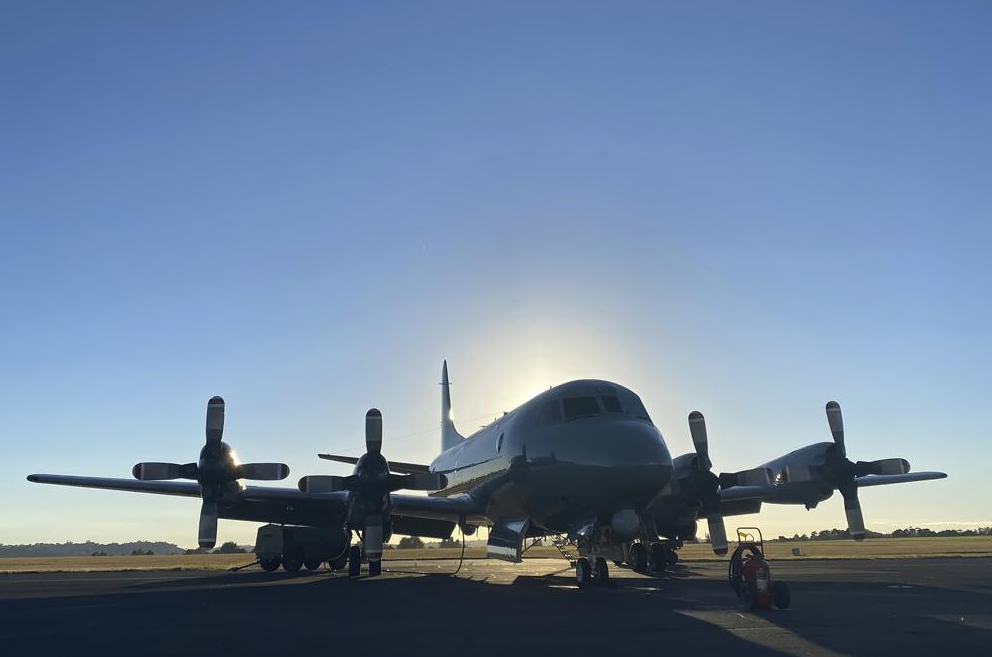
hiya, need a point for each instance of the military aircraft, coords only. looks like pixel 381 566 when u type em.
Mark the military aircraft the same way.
pixel 581 464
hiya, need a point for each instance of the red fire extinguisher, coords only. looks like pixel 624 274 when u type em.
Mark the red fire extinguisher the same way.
pixel 751 577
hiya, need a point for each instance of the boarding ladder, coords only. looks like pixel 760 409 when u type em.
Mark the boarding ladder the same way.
pixel 560 541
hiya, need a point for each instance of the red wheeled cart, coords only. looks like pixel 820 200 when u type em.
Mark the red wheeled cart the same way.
pixel 750 575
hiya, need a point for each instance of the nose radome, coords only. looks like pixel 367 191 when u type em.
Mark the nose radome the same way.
pixel 637 443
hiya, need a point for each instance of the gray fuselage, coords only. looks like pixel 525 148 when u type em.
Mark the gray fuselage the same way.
pixel 580 451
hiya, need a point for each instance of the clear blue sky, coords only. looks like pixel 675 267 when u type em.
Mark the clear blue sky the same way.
pixel 746 209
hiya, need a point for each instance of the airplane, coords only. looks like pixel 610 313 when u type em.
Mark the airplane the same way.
pixel 581 464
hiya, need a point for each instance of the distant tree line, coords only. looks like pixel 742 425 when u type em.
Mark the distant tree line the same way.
pixel 69 549
pixel 909 532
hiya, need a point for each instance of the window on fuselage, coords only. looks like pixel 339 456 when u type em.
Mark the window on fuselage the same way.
pixel 611 404
pixel 576 407
pixel 548 413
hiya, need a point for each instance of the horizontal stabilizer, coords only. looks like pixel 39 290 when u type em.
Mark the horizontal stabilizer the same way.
pixel 394 466
pixel 882 480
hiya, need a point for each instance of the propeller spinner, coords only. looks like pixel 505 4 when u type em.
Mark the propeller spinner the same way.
pixel 216 471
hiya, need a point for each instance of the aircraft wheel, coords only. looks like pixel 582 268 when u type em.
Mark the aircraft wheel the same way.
pixel 783 598
pixel 673 557
pixel 602 571
pixel 355 561
pixel 292 561
pixel 638 557
pixel 312 564
pixel 270 564
pixel 659 558
pixel 375 567
pixel 583 572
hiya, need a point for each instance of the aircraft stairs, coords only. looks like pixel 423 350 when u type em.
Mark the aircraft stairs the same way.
pixel 559 542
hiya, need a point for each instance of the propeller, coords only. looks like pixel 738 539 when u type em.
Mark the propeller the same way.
pixel 710 483
pixel 217 472
pixel 370 484
pixel 707 485
pixel 841 472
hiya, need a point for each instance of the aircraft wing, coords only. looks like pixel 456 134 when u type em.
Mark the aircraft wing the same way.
pixel 181 488
pixel 283 505
pixel 434 507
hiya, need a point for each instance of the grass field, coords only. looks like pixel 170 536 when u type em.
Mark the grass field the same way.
pixel 879 548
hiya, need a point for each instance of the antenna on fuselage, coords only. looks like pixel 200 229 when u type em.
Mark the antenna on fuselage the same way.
pixel 449 435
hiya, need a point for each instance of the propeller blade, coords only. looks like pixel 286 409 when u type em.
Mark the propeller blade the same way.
pixel 418 481
pixel 326 483
pixel 215 419
pixel 836 421
pixel 852 508
pixel 152 471
pixel 718 533
pixel 373 431
pixel 373 538
pixel 208 525
pixel 882 480
pixel 264 471
pixel 697 428
pixel 882 467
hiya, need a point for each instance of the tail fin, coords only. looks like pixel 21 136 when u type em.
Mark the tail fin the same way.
pixel 449 435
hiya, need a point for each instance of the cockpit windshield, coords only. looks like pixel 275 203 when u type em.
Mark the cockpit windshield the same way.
pixel 576 407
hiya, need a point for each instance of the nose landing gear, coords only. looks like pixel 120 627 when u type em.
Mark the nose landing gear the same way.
pixel 589 572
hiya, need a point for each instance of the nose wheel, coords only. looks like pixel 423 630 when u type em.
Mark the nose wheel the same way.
pixel 591 572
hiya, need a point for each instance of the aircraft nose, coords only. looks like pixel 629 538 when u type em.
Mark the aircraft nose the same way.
pixel 637 443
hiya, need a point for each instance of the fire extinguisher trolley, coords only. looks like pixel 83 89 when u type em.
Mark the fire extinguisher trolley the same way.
pixel 750 575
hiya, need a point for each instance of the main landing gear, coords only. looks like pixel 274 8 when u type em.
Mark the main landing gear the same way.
pixel 589 572
pixel 654 557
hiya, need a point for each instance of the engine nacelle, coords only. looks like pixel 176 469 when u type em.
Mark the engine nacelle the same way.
pixel 799 476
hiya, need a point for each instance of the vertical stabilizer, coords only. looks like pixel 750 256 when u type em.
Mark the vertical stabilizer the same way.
pixel 449 435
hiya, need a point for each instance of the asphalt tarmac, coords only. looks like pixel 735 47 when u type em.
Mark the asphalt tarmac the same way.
pixel 873 608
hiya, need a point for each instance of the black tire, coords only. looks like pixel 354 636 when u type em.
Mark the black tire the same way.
pixel 673 557
pixel 783 598
pixel 602 571
pixel 354 561
pixel 338 562
pixel 270 564
pixel 292 561
pixel 659 558
pixel 583 572
pixel 312 564
pixel 638 557
pixel 375 567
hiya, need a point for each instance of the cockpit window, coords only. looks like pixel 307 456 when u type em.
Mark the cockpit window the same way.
pixel 548 413
pixel 611 404
pixel 576 407
pixel 636 408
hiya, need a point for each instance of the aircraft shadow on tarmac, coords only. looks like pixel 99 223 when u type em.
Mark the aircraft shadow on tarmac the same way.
pixel 262 613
